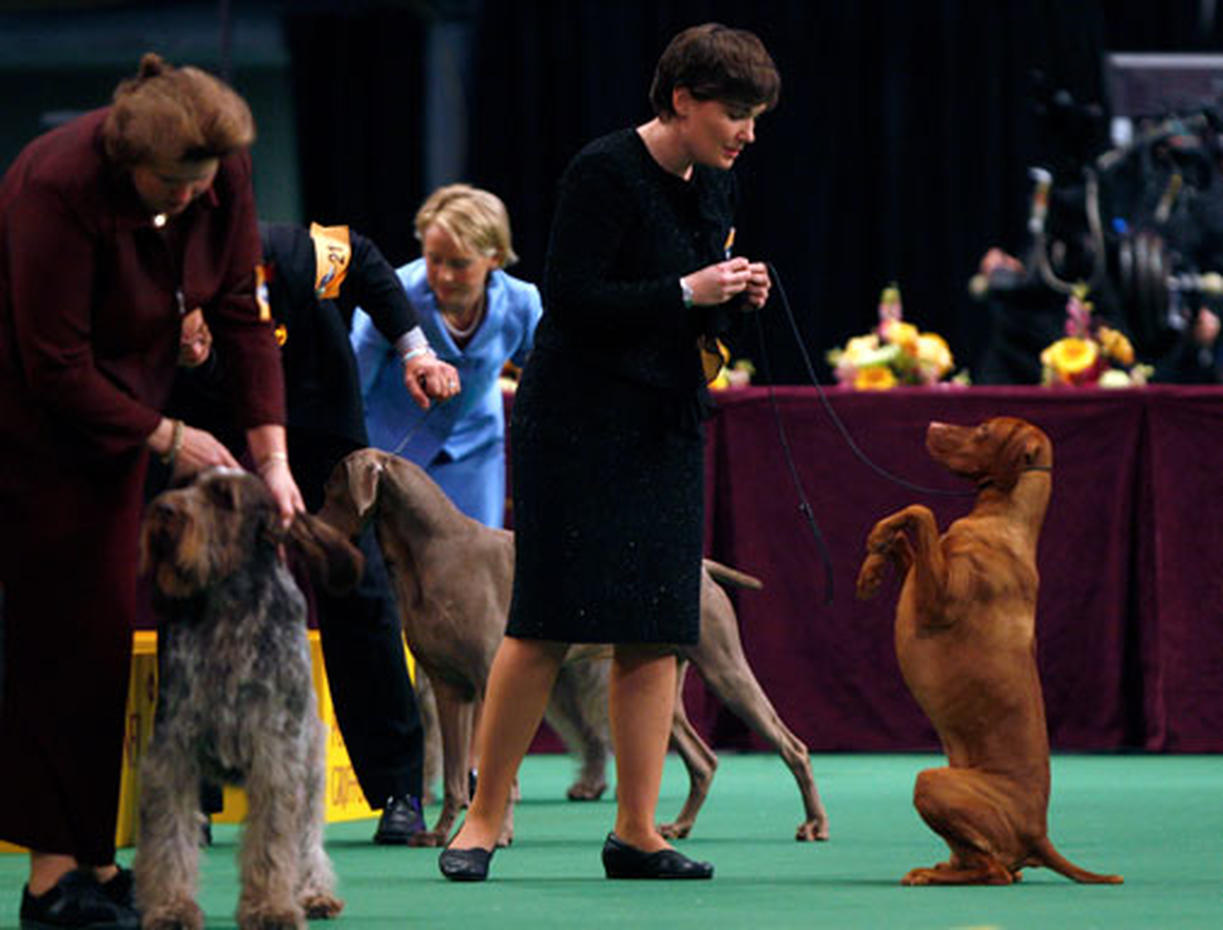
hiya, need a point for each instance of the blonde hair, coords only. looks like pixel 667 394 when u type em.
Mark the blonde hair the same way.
pixel 174 114
pixel 475 218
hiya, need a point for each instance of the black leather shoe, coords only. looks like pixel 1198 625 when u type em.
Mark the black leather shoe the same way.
pixel 76 901
pixel 121 888
pixel 401 820
pixel 620 860
pixel 465 865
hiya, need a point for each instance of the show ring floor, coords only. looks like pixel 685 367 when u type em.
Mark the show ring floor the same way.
pixel 1157 820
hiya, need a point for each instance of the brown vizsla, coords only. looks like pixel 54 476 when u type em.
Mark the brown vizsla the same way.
pixel 453 578
pixel 966 644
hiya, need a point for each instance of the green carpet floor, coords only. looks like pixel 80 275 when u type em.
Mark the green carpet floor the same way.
pixel 1158 820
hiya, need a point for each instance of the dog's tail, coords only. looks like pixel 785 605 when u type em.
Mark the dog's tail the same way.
pixel 1044 854
pixel 725 575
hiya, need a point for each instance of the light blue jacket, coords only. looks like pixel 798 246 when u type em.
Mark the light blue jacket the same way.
pixel 470 426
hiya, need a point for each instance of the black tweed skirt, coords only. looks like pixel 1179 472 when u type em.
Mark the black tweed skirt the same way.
pixel 608 508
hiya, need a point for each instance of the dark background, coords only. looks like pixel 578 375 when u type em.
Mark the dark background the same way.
pixel 898 152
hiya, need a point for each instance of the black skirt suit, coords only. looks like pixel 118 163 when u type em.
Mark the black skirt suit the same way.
pixel 607 437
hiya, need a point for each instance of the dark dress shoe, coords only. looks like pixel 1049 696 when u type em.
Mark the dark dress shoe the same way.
pixel 465 865
pixel 620 860
pixel 76 901
pixel 121 888
pixel 401 820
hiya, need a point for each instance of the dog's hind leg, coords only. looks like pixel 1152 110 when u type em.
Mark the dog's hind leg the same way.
pixel 167 857
pixel 959 805
pixel 316 880
pixel 700 761
pixel 577 711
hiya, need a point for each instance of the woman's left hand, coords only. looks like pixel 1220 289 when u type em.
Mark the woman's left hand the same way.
pixel 427 376
pixel 194 340
pixel 758 284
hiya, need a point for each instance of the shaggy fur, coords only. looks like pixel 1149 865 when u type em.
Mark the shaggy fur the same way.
pixel 235 702
pixel 453 578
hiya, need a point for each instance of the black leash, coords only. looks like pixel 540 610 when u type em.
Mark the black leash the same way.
pixel 804 504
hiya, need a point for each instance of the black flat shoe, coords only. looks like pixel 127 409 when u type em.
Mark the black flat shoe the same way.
pixel 401 820
pixel 120 888
pixel 465 865
pixel 76 901
pixel 620 860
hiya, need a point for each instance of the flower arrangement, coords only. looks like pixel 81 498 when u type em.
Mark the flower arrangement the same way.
pixel 893 353
pixel 1090 354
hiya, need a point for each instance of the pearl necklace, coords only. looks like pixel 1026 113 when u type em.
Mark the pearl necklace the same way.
pixel 462 332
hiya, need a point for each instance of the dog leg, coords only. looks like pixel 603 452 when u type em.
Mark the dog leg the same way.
pixel 316 884
pixel 720 658
pixel 577 711
pixel 432 735
pixel 167 857
pixel 454 712
pixel 961 807
pixel 270 853
pixel 700 761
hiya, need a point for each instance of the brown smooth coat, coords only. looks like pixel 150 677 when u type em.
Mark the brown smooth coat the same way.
pixel 966 643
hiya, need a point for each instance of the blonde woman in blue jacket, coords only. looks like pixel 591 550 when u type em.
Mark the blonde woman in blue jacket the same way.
pixel 476 317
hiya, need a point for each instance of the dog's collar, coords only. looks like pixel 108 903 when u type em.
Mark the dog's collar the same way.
pixel 989 482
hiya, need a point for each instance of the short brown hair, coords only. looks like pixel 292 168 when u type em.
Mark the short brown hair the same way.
pixel 715 62
pixel 174 114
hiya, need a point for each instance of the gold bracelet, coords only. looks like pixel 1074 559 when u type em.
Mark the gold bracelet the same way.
pixel 273 457
pixel 176 444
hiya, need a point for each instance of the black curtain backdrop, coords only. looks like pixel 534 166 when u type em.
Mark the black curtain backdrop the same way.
pixel 358 80
pixel 899 151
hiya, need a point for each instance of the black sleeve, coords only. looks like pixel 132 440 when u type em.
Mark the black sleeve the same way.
pixel 372 285
pixel 596 211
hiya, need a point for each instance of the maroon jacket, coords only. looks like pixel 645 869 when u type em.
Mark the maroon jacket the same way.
pixel 89 318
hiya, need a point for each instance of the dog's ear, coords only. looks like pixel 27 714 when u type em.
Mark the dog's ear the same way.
pixel 333 560
pixel 364 471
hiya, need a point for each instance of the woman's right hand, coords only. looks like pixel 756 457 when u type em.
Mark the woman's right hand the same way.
pixel 200 450
pixel 715 284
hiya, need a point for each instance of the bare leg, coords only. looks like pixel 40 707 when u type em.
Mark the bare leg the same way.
pixel 46 869
pixel 641 702
pixel 519 684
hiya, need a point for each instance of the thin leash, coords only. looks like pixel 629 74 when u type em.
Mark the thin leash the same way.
pixel 804 505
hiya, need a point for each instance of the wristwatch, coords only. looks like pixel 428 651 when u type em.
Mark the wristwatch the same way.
pixel 686 290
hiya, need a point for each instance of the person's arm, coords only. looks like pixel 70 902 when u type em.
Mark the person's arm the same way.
pixel 268 449
pixel 597 210
pixel 373 285
pixel 52 273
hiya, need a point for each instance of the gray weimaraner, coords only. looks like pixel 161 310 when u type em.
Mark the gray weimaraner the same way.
pixel 452 578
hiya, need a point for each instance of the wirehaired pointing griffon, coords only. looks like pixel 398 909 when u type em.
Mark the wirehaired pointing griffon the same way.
pixel 966 643
pixel 235 701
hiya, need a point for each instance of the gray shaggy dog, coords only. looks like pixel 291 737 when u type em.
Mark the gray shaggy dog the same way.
pixel 235 701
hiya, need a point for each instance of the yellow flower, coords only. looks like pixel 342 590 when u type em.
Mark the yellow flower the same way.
pixel 1116 346
pixel 860 347
pixel 1070 356
pixel 934 353
pixel 875 378
pixel 900 333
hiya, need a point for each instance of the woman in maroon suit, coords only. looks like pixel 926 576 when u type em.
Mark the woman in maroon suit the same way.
pixel 114 228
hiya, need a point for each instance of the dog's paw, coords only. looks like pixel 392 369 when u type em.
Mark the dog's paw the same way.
pixel 675 831
pixel 321 906
pixel 870 577
pixel 427 838
pixel 582 790
pixel 182 915
pixel 269 918
pixel 812 831
pixel 917 877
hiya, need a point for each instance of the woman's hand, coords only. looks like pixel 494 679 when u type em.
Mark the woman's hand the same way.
pixel 427 376
pixel 194 341
pixel 758 284
pixel 718 283
pixel 276 475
